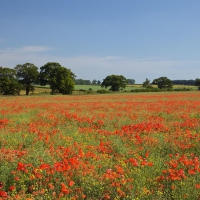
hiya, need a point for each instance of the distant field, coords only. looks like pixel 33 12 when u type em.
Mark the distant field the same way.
pixel 38 90
pixel 98 87
pixel 86 87
pixel 46 89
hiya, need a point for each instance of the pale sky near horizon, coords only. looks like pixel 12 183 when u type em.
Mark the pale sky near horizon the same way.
pixel 138 39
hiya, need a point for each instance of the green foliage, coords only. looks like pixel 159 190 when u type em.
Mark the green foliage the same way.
pixel 103 91
pixel 90 91
pixel 27 74
pixel 163 83
pixel 147 84
pixel 161 90
pixel 58 77
pixel 8 82
pixel 197 83
pixel 98 82
pixel 131 81
pixel 183 82
pixel 115 82
pixel 82 82
pixel 94 82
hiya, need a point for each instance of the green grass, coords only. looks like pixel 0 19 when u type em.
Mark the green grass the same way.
pixel 86 87
pixel 45 89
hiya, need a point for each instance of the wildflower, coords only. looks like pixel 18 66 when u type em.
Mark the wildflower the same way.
pixel 3 193
pixel 51 186
pixel 197 186
pixel 11 188
pixel 106 196
pixel 21 167
pixel 133 161
pixel 84 196
pixel 71 183
pixel 191 171
pixel 64 189
pixel 44 166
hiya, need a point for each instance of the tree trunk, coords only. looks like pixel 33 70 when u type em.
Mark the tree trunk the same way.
pixel 27 91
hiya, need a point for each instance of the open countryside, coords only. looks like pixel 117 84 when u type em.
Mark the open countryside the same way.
pixel 81 89
pixel 99 100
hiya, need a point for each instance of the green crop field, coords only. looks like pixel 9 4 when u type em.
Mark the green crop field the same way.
pixel 79 89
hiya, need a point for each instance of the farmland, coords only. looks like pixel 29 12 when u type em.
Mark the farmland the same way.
pixel 118 146
pixel 80 88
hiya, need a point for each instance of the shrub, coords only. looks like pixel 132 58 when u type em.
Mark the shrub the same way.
pixel 102 91
pixel 82 90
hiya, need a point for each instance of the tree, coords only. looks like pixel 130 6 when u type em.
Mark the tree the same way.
pixel 147 84
pixel 87 82
pixel 8 82
pixel 197 83
pixel 131 81
pixel 99 82
pixel 27 74
pixel 67 84
pixel 163 82
pixel 58 77
pixel 94 82
pixel 80 82
pixel 115 82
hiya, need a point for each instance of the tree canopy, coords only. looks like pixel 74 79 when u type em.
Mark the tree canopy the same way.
pixel 197 83
pixel 27 74
pixel 58 77
pixel 94 82
pixel 8 83
pixel 147 83
pixel 163 82
pixel 115 82
pixel 184 82
pixel 130 81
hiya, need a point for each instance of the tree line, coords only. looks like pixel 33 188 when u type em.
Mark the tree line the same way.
pixel 97 82
pixel 87 82
pixel 62 80
pixel 165 83
pixel 184 82
pixel 117 82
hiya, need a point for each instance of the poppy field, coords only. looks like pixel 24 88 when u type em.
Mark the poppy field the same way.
pixel 114 146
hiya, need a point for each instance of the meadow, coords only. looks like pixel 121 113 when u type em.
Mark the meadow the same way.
pixel 134 146
pixel 79 89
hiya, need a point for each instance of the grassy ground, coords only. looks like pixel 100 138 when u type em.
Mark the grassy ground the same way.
pixel 46 90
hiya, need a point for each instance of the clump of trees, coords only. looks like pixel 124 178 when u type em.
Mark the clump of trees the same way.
pixel 184 82
pixel 130 81
pixel 147 84
pixel 115 82
pixel 60 79
pixel 9 84
pixel 87 82
pixel 95 82
pixel 163 83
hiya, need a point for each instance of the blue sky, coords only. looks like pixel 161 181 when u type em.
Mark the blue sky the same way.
pixel 95 38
